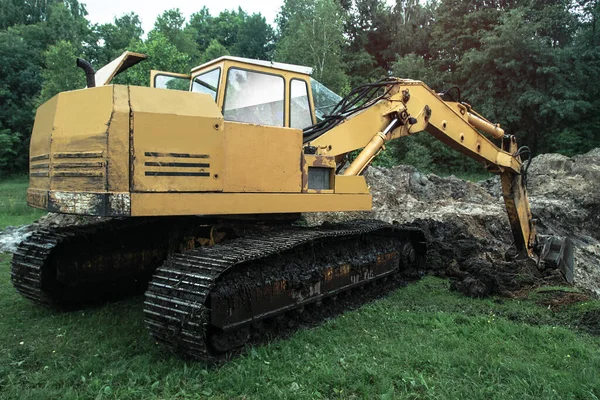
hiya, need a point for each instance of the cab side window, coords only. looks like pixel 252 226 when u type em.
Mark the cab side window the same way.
pixel 172 82
pixel 254 97
pixel 207 82
pixel 300 117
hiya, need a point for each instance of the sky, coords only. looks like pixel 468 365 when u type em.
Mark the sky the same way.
pixel 102 11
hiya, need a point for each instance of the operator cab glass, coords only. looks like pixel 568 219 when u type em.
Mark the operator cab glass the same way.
pixel 256 92
pixel 207 82
pixel 172 82
pixel 325 100
pixel 254 97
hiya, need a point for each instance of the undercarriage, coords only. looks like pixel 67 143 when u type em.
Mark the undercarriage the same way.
pixel 219 285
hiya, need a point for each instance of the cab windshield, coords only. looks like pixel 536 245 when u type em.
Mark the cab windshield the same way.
pixel 325 100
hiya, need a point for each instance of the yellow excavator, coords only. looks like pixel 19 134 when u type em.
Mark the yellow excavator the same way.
pixel 202 176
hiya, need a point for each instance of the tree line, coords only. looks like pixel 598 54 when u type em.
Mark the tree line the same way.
pixel 531 65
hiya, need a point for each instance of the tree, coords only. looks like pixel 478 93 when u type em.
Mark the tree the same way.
pixel 515 77
pixel 162 55
pixel 20 83
pixel 312 34
pixel 460 26
pixel 254 38
pixel 214 51
pixel 413 66
pixel 118 36
pixel 171 25
pixel 241 34
pixel 61 73
pixel 19 12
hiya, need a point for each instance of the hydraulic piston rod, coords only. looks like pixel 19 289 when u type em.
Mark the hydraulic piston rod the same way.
pixel 370 151
pixel 485 126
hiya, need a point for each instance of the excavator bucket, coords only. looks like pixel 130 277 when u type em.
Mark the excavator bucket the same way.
pixel 557 252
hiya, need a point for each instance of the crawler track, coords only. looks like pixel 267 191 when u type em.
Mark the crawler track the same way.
pixel 69 266
pixel 28 274
pixel 207 302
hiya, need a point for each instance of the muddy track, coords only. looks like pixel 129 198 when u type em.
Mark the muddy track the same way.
pixel 207 303
pixel 67 267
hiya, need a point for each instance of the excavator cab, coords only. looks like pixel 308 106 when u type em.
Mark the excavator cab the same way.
pixel 256 92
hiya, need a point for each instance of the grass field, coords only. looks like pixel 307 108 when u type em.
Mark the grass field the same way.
pixel 14 211
pixel 422 341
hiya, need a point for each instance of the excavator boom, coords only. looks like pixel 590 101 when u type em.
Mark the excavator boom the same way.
pixel 409 107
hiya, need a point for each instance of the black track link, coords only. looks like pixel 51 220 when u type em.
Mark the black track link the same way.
pixel 29 264
pixel 33 267
pixel 175 309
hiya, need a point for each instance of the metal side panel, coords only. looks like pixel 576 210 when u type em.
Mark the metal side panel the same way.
pixel 177 141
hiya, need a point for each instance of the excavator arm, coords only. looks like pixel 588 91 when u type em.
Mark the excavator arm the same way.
pixel 409 107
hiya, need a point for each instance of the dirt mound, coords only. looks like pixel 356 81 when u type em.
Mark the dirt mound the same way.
pixel 468 229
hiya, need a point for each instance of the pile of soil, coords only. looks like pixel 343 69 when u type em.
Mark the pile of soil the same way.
pixel 468 229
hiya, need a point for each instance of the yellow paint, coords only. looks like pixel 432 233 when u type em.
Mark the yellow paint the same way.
pixel 118 142
pixel 261 158
pixel 355 132
pixel 167 152
pixel 80 134
pixel 176 128
pixel 350 184
pixel 39 147
pixel 143 204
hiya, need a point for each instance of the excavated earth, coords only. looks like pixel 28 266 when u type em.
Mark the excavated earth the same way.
pixel 468 229
pixel 466 224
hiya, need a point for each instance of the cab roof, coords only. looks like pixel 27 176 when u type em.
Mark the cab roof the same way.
pixel 269 64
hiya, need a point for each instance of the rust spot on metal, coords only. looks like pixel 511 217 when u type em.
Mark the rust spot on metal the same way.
pixel 37 198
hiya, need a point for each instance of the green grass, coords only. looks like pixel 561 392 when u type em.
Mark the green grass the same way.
pixel 420 342
pixel 14 210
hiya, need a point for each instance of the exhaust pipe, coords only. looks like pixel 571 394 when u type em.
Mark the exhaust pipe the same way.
pixel 89 72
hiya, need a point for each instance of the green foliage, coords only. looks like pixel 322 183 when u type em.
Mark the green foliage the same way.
pixel 61 73
pixel 118 36
pixel 254 39
pixel 214 51
pixel 312 34
pixel 162 55
pixel 20 82
pixel 422 341
pixel 171 25
pixel 413 66
pixel 239 33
